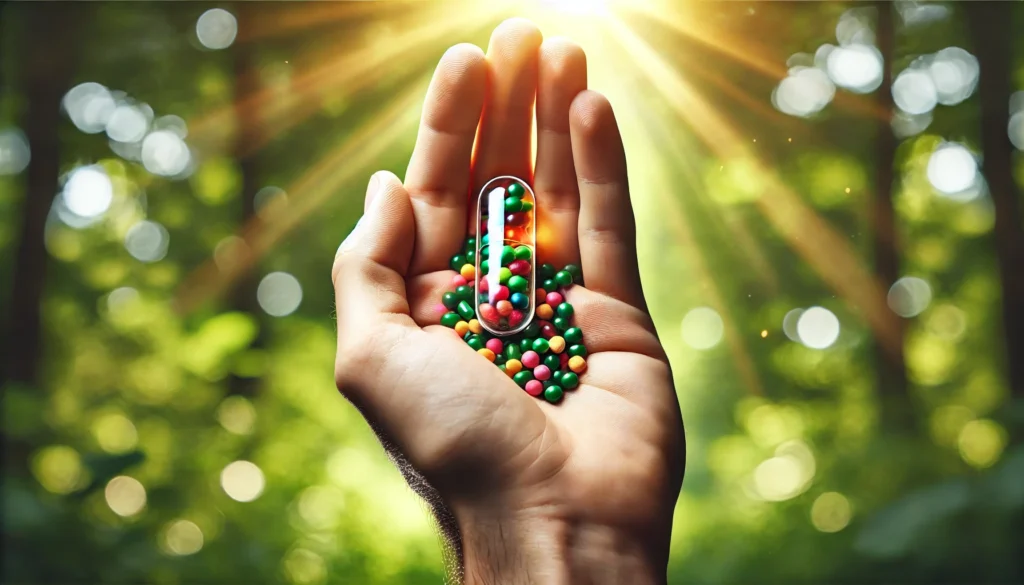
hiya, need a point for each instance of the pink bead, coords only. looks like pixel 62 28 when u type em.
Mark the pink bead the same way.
pixel 531 359
pixel 501 294
pixel 548 330
pixel 482 284
pixel 534 388
pixel 542 373
pixel 554 299
pixel 458 281
pixel 441 309
pixel 488 313
pixel 519 267
pixel 495 345
pixel 515 318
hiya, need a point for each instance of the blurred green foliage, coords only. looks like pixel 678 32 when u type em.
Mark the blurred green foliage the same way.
pixel 790 476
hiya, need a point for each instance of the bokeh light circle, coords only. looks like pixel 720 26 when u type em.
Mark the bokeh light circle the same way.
pixel 164 153
pixel 147 241
pixel 125 495
pixel 914 92
pixel 952 169
pixel 279 294
pixel 855 67
pixel 216 29
pixel 818 328
pixel 702 328
pixel 831 512
pixel 88 192
pixel 242 481
pixel 909 296
pixel 182 538
pixel 14 151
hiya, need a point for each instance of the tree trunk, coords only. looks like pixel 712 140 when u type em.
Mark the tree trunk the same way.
pixel 47 72
pixel 247 133
pixel 992 29
pixel 891 377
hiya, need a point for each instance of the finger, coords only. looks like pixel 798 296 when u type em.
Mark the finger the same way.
pixel 610 325
pixel 607 230
pixel 425 292
pixel 438 173
pixel 506 129
pixel 562 75
pixel 371 264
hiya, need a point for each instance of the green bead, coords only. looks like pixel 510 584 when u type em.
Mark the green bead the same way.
pixel 565 310
pixel 563 278
pixel 573 335
pixel 476 342
pixel 485 252
pixel 471 257
pixel 575 271
pixel 524 253
pixel 550 382
pixel 527 206
pixel 504 275
pixel 577 350
pixel 532 330
pixel 545 271
pixel 522 377
pixel 513 204
pixel 513 352
pixel 540 345
pixel 553 393
pixel 482 298
pixel 518 284
pixel 526 345
pixel 560 323
pixel 501 367
pixel 500 359
pixel 457 261
pixel 552 362
pixel 549 285
pixel 486 239
pixel 485 265
pixel 516 190
pixel 450 300
pixel 470 244
pixel 508 254
pixel 468 335
pixel 464 292
pixel 569 380
pixel 466 310
pixel 450 319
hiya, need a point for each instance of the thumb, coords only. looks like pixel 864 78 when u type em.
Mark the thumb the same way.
pixel 370 266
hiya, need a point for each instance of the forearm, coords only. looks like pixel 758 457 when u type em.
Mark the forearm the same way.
pixel 501 550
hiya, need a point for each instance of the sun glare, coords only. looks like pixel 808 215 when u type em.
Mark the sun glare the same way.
pixel 577 6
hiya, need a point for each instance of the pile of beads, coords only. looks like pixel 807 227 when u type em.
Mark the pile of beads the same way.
pixel 548 356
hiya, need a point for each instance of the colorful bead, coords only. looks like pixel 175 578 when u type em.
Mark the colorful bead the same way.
pixel 526 344
pixel 450 319
pixel 527 206
pixel 548 330
pixel 512 351
pixel 488 313
pixel 556 344
pixel 575 271
pixel 546 271
pixel 534 388
pixel 483 285
pixel 577 364
pixel 495 345
pixel 553 298
pixel 563 359
pixel 560 323
pixel 552 361
pixel 504 308
pixel 487 353
pixel 501 294
pixel 515 190
pixel 553 393
pixel 573 335
pixel 563 278
pixel 476 342
pixel 466 310
pixel 544 312
pixel 540 345
pixel 450 300
pixel 515 318
pixel 524 253
pixel 508 254
pixel 519 267
pixel 467 271
pixel 549 284
pixel 542 373
pixel 504 274
pixel 475 327
pixel 513 367
pixel 519 300
pixel 531 359
pixel 577 350
pixel 521 378
pixel 462 328
pixel 532 330
pixel 513 204
pixel 457 261
pixel 464 293
pixel 517 283
pixel 565 310
pixel 458 281
pixel 568 380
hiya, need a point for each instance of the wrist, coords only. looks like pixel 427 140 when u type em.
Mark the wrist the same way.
pixel 544 547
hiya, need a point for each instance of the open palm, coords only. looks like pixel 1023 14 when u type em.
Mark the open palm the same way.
pixel 611 453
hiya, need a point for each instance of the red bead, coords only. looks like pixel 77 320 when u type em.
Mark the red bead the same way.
pixel 534 388
pixel 530 359
pixel 458 281
pixel 541 295
pixel 520 267
pixel 564 359
pixel 554 299
pixel 548 330
pixel 488 313
pixel 501 294
pixel 495 345
pixel 515 318
pixel 481 284
pixel 505 309
pixel 515 219
pixel 542 373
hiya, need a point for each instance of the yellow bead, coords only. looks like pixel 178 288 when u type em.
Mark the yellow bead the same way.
pixel 556 344
pixel 462 328
pixel 488 353
pixel 475 327
pixel 513 367
pixel 545 312
pixel 467 271
pixel 577 364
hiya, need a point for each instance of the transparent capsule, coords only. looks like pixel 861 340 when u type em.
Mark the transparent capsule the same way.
pixel 506 246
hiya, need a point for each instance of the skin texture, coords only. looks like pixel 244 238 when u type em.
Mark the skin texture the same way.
pixel 579 492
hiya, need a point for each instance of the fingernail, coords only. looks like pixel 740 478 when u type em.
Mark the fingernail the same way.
pixel 375 201
pixel 371 190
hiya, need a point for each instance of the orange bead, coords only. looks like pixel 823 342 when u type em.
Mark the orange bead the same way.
pixel 577 364
pixel 513 367
pixel 468 271
pixel 475 327
pixel 545 312
pixel 504 308
pixel 541 295
pixel 488 353
pixel 462 328
pixel 556 344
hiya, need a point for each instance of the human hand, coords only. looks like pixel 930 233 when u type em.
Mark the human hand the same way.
pixel 580 491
